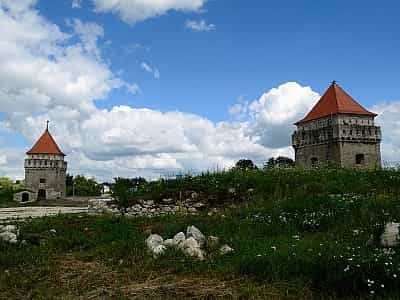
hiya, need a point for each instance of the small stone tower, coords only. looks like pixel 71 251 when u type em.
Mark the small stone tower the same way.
pixel 45 168
pixel 337 131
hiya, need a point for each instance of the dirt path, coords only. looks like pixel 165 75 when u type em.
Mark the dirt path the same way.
pixel 12 213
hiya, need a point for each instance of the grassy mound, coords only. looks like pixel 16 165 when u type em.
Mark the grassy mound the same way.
pixel 299 235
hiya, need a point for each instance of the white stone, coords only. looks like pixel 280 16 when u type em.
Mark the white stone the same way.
pixel 179 238
pixel 9 237
pixel 225 249
pixel 390 237
pixel 158 251
pixel 153 241
pixel 9 228
pixel 53 231
pixel 191 247
pixel 194 232
pixel 169 243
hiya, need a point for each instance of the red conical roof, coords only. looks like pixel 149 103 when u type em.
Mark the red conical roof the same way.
pixel 335 101
pixel 45 145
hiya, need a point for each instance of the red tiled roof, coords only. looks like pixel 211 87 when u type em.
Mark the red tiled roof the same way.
pixel 335 101
pixel 45 145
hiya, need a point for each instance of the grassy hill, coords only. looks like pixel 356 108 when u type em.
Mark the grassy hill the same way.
pixel 297 235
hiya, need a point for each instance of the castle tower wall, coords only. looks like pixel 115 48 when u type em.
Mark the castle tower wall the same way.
pixel 46 169
pixel 46 173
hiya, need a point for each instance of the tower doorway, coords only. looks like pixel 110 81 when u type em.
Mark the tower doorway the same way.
pixel 25 197
pixel 42 195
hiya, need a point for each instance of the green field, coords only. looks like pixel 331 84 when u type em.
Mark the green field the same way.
pixel 297 235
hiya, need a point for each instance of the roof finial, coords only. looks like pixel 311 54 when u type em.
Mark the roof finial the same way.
pixel 47 125
pixel 334 82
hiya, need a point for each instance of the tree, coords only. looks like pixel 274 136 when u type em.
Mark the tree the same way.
pixel 279 162
pixel 245 165
pixel 82 186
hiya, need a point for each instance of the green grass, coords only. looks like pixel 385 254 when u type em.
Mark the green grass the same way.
pixel 299 235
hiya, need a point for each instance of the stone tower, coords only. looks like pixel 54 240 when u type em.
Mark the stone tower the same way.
pixel 337 131
pixel 45 168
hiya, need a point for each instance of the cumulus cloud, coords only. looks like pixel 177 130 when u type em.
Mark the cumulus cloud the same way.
pixel 43 75
pixel 133 11
pixel 149 69
pixel 200 25
pixel 273 114
pixel 389 120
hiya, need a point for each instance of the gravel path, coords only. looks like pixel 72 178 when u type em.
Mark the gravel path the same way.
pixel 12 213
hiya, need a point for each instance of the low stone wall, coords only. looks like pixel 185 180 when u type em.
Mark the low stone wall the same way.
pixel 148 208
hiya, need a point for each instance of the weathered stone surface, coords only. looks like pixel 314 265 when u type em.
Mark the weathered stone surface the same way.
pixel 179 238
pixel 225 249
pixel 338 139
pixel 159 251
pixel 390 237
pixel 191 247
pixel 153 241
pixel 9 233
pixel 194 232
pixel 169 243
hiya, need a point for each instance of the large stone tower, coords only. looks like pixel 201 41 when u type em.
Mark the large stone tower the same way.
pixel 337 131
pixel 45 168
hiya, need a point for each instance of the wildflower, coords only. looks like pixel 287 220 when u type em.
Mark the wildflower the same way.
pixel 347 268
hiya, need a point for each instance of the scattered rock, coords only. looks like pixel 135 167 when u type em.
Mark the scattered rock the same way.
pixel 194 232
pixel 192 210
pixel 191 247
pixel 231 190
pixel 390 237
pixel 169 243
pixel 159 251
pixel 168 201
pixel 9 233
pixel 225 249
pixel 153 241
pixel 212 242
pixel 179 238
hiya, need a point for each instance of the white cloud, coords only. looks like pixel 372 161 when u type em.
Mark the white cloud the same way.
pixel 149 69
pixel 76 3
pixel 273 114
pixel 200 25
pixel 133 11
pixel 389 120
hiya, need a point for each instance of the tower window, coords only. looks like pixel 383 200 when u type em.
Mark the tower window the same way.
pixel 314 161
pixel 360 159
pixel 42 180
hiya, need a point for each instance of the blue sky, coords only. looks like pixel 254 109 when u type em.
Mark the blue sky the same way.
pixel 251 48
pixel 257 45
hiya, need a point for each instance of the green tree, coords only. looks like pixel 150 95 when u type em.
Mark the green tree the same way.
pixel 82 186
pixel 279 162
pixel 245 165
